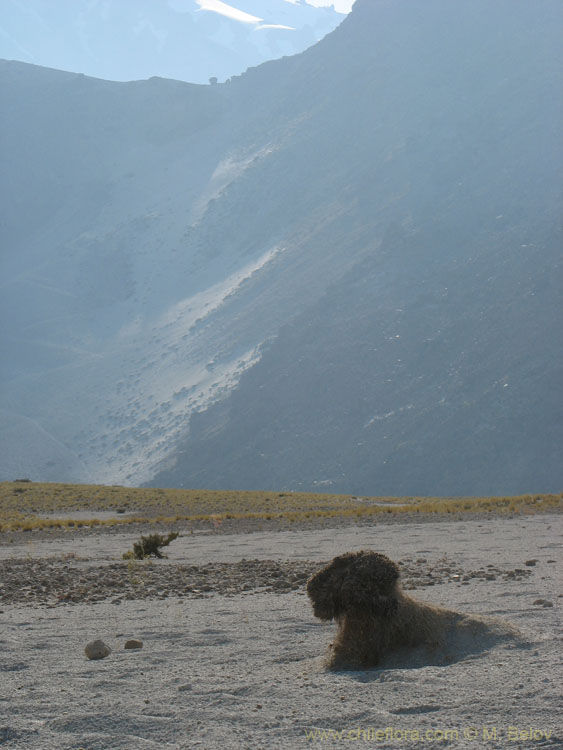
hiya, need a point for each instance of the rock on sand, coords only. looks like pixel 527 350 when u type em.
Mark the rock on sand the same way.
pixel 97 650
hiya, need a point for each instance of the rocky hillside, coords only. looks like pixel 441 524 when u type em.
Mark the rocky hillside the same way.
pixel 340 270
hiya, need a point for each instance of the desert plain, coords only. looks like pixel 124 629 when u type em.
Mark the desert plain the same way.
pixel 232 656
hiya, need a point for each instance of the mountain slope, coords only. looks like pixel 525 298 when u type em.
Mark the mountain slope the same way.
pixel 434 367
pixel 340 269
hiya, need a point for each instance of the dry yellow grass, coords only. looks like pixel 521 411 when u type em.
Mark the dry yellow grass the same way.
pixel 28 505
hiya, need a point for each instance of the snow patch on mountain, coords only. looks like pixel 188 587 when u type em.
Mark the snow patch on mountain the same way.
pixel 216 6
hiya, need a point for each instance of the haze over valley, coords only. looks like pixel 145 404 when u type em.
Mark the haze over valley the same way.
pixel 188 40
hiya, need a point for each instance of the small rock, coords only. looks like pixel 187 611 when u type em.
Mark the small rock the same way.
pixel 97 650
pixel 543 603
pixel 133 643
pixel 530 563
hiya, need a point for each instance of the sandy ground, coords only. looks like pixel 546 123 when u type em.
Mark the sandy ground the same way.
pixel 235 659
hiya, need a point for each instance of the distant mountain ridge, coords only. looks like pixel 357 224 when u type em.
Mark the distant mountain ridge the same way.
pixel 188 40
pixel 341 270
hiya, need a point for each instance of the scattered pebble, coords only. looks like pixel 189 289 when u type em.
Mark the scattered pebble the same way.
pixel 543 603
pixel 56 581
pixel 134 643
pixel 97 650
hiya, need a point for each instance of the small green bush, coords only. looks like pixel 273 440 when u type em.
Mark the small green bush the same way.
pixel 150 545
